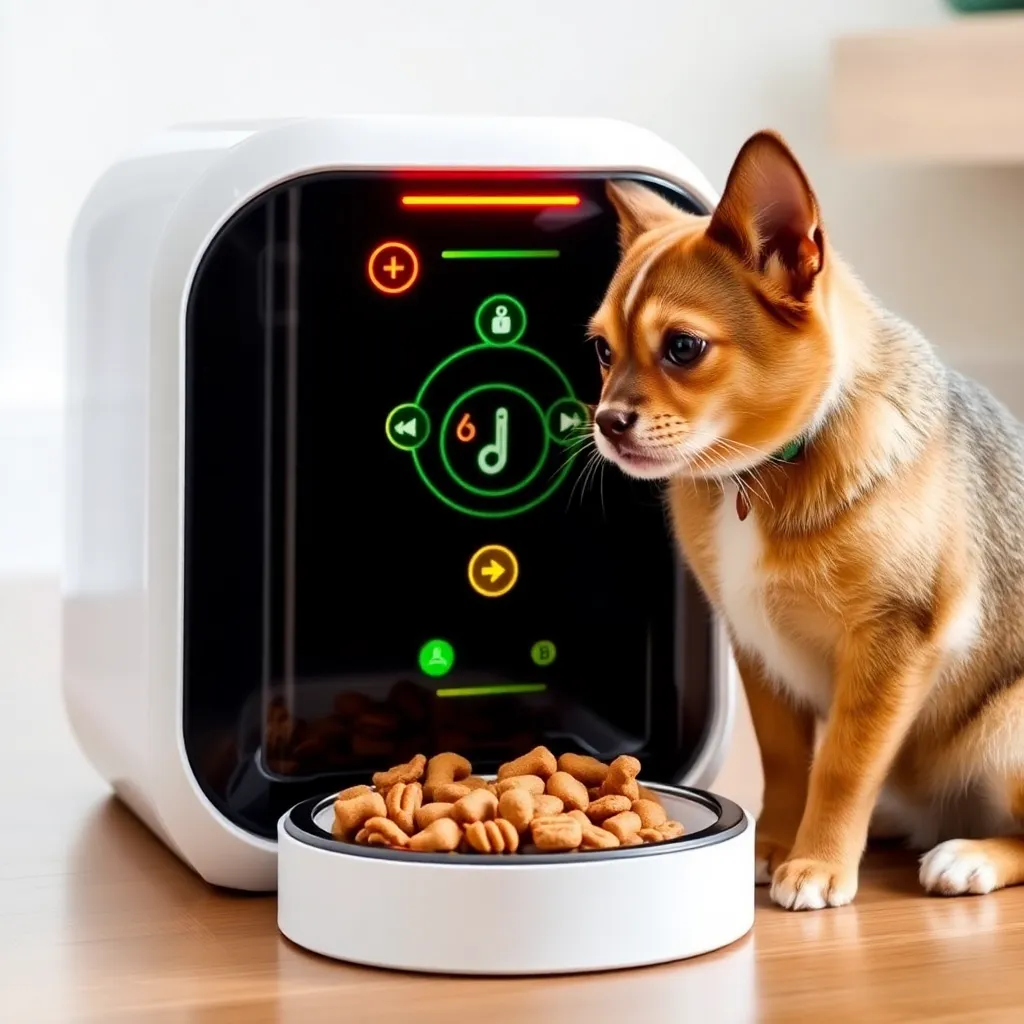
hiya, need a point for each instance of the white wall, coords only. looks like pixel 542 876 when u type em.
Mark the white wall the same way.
pixel 83 79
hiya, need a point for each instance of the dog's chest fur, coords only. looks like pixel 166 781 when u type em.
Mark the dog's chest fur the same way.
pixel 767 615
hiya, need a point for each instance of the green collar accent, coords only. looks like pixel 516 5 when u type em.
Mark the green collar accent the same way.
pixel 790 452
pixel 787 453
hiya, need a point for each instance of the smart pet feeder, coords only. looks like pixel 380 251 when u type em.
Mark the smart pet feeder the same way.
pixel 330 502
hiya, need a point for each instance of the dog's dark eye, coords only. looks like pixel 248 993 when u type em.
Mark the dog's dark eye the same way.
pixel 684 349
pixel 604 352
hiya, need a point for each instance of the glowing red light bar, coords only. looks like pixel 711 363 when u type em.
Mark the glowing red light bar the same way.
pixel 535 201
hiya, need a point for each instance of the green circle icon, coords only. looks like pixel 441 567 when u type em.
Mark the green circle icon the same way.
pixel 567 420
pixel 436 658
pixel 543 653
pixel 407 426
pixel 544 488
pixel 500 320
pixel 519 484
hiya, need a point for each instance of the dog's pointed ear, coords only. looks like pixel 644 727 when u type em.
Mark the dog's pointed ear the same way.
pixel 768 215
pixel 638 209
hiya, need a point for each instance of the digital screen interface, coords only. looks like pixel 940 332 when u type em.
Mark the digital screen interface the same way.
pixel 399 537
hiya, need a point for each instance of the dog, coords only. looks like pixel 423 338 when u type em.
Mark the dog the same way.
pixel 854 511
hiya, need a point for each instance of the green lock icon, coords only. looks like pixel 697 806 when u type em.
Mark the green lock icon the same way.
pixel 501 322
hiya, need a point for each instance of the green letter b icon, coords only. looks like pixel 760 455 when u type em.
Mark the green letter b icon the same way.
pixel 543 652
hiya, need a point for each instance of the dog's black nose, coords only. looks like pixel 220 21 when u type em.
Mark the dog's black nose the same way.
pixel 614 423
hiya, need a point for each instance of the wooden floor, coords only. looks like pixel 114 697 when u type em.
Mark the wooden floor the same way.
pixel 98 922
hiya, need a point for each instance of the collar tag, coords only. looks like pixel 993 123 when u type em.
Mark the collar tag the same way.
pixel 787 453
pixel 742 505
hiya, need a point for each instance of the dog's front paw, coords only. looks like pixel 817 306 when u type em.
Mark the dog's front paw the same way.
pixel 813 885
pixel 769 854
pixel 959 867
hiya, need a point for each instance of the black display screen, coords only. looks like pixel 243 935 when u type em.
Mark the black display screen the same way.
pixel 398 535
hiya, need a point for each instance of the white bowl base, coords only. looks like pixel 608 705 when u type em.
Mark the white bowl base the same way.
pixel 520 914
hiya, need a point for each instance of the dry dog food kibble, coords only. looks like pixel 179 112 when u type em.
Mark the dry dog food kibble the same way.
pixel 539 761
pixel 556 833
pixel 352 792
pixel 480 805
pixel 671 829
pixel 350 815
pixel 516 806
pixel 384 832
pixel 621 778
pixel 596 838
pixel 411 772
pixel 498 836
pixel 531 783
pixel 585 769
pixel 441 836
pixel 449 792
pixel 546 804
pixel 607 807
pixel 444 768
pixel 623 825
pixel 536 804
pixel 651 814
pixel 404 799
pixel 429 813
pixel 570 791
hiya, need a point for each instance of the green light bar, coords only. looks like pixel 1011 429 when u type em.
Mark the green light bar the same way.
pixel 500 254
pixel 491 691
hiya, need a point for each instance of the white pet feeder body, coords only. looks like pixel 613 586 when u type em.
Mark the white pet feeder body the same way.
pixel 137 248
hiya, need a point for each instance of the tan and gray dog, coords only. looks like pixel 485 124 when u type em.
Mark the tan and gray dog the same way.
pixel 855 512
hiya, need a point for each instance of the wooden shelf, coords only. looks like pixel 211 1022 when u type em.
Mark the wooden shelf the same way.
pixel 953 93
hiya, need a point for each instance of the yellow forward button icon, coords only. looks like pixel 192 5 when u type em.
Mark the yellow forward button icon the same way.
pixel 493 570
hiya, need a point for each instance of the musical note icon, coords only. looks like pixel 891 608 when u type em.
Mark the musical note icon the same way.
pixel 493 457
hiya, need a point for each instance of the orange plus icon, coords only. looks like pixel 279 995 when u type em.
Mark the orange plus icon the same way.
pixel 393 268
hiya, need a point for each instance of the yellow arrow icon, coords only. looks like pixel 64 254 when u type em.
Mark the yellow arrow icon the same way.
pixel 494 571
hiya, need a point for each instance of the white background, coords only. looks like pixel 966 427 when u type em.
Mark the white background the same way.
pixel 80 80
